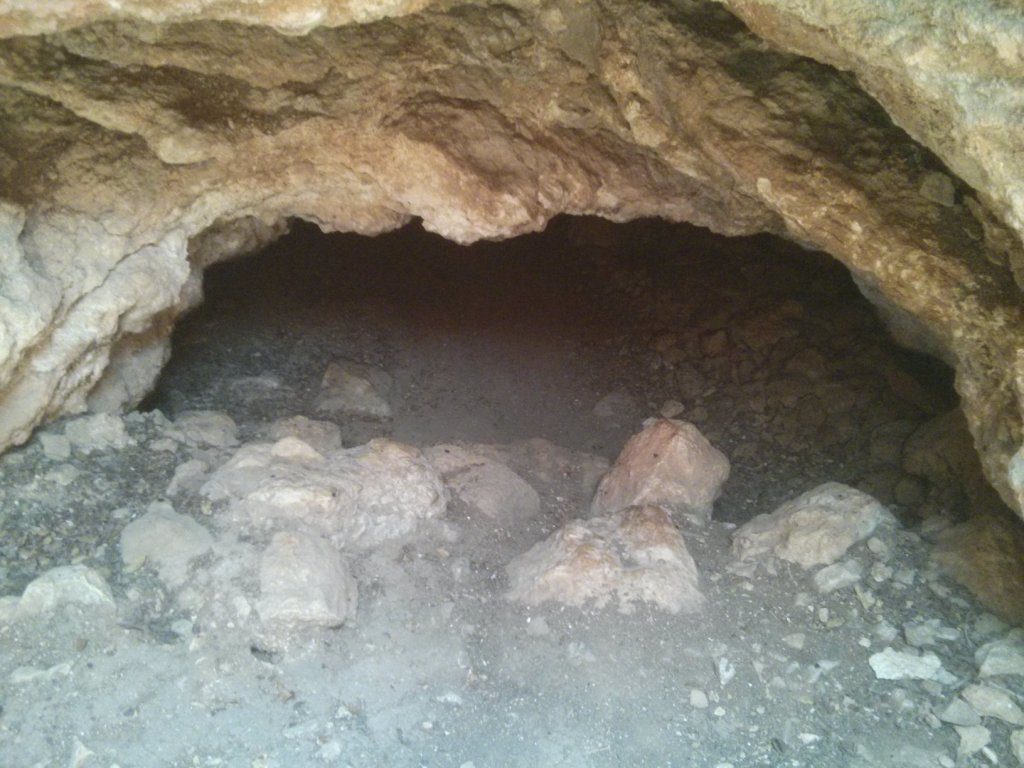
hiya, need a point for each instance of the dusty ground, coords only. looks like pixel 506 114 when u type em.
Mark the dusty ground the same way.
pixel 769 350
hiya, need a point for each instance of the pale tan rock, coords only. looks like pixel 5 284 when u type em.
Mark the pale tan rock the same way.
pixel 323 436
pixel 304 583
pixel 99 432
pixel 63 586
pixel 486 486
pixel 986 555
pixel 355 389
pixel 168 540
pixel 635 555
pixel 815 528
pixel 205 429
pixel 994 702
pixel 356 497
pixel 669 463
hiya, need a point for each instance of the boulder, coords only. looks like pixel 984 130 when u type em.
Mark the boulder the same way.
pixel 356 497
pixel 815 528
pixel 669 463
pixel 484 485
pixel 636 555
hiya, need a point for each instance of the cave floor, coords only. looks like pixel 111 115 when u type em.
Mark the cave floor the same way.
pixel 556 353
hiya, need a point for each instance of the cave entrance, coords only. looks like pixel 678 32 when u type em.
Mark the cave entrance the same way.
pixel 353 524
pixel 575 335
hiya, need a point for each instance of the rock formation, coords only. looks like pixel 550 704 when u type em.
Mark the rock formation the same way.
pixel 140 142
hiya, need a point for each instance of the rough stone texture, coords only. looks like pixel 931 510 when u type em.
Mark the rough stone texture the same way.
pixel 67 584
pixel 169 541
pixel 815 528
pixel 946 70
pixel 635 555
pixel 304 583
pixel 355 389
pixel 993 702
pixel 895 665
pixel 484 485
pixel 322 436
pixel 360 496
pixel 670 463
pixel 124 140
pixel 98 432
pixel 1004 656
pixel 205 428
pixel 986 555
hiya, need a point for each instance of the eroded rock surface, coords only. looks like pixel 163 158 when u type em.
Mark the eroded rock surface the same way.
pixel 136 151
pixel 635 555
pixel 815 528
pixel 358 497
pixel 669 463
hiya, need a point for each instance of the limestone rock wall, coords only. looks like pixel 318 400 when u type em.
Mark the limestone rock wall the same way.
pixel 124 139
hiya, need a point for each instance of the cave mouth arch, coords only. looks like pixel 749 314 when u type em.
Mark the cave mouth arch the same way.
pixel 576 335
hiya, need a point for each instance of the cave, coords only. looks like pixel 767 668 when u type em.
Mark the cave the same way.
pixel 477 384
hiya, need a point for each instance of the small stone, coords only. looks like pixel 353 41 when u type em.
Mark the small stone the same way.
pixel 98 432
pixel 1002 657
pixel 698 699
pixel 837 576
pixel 670 409
pixel 905 576
pixel 322 436
pixel 68 584
pixel 726 671
pixel 304 583
pixel 205 429
pixel 55 447
pixel 669 463
pixel 993 702
pixel 959 712
pixel 355 389
pixel 890 664
pixel 880 572
pixel 187 477
pixel 169 541
pixel 878 547
pixel 885 631
pixel 972 739
pixel 795 641
pixel 930 632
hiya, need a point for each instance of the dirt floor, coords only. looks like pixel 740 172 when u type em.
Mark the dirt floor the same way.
pixel 552 350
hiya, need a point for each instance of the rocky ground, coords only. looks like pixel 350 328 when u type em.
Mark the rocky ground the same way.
pixel 357 524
